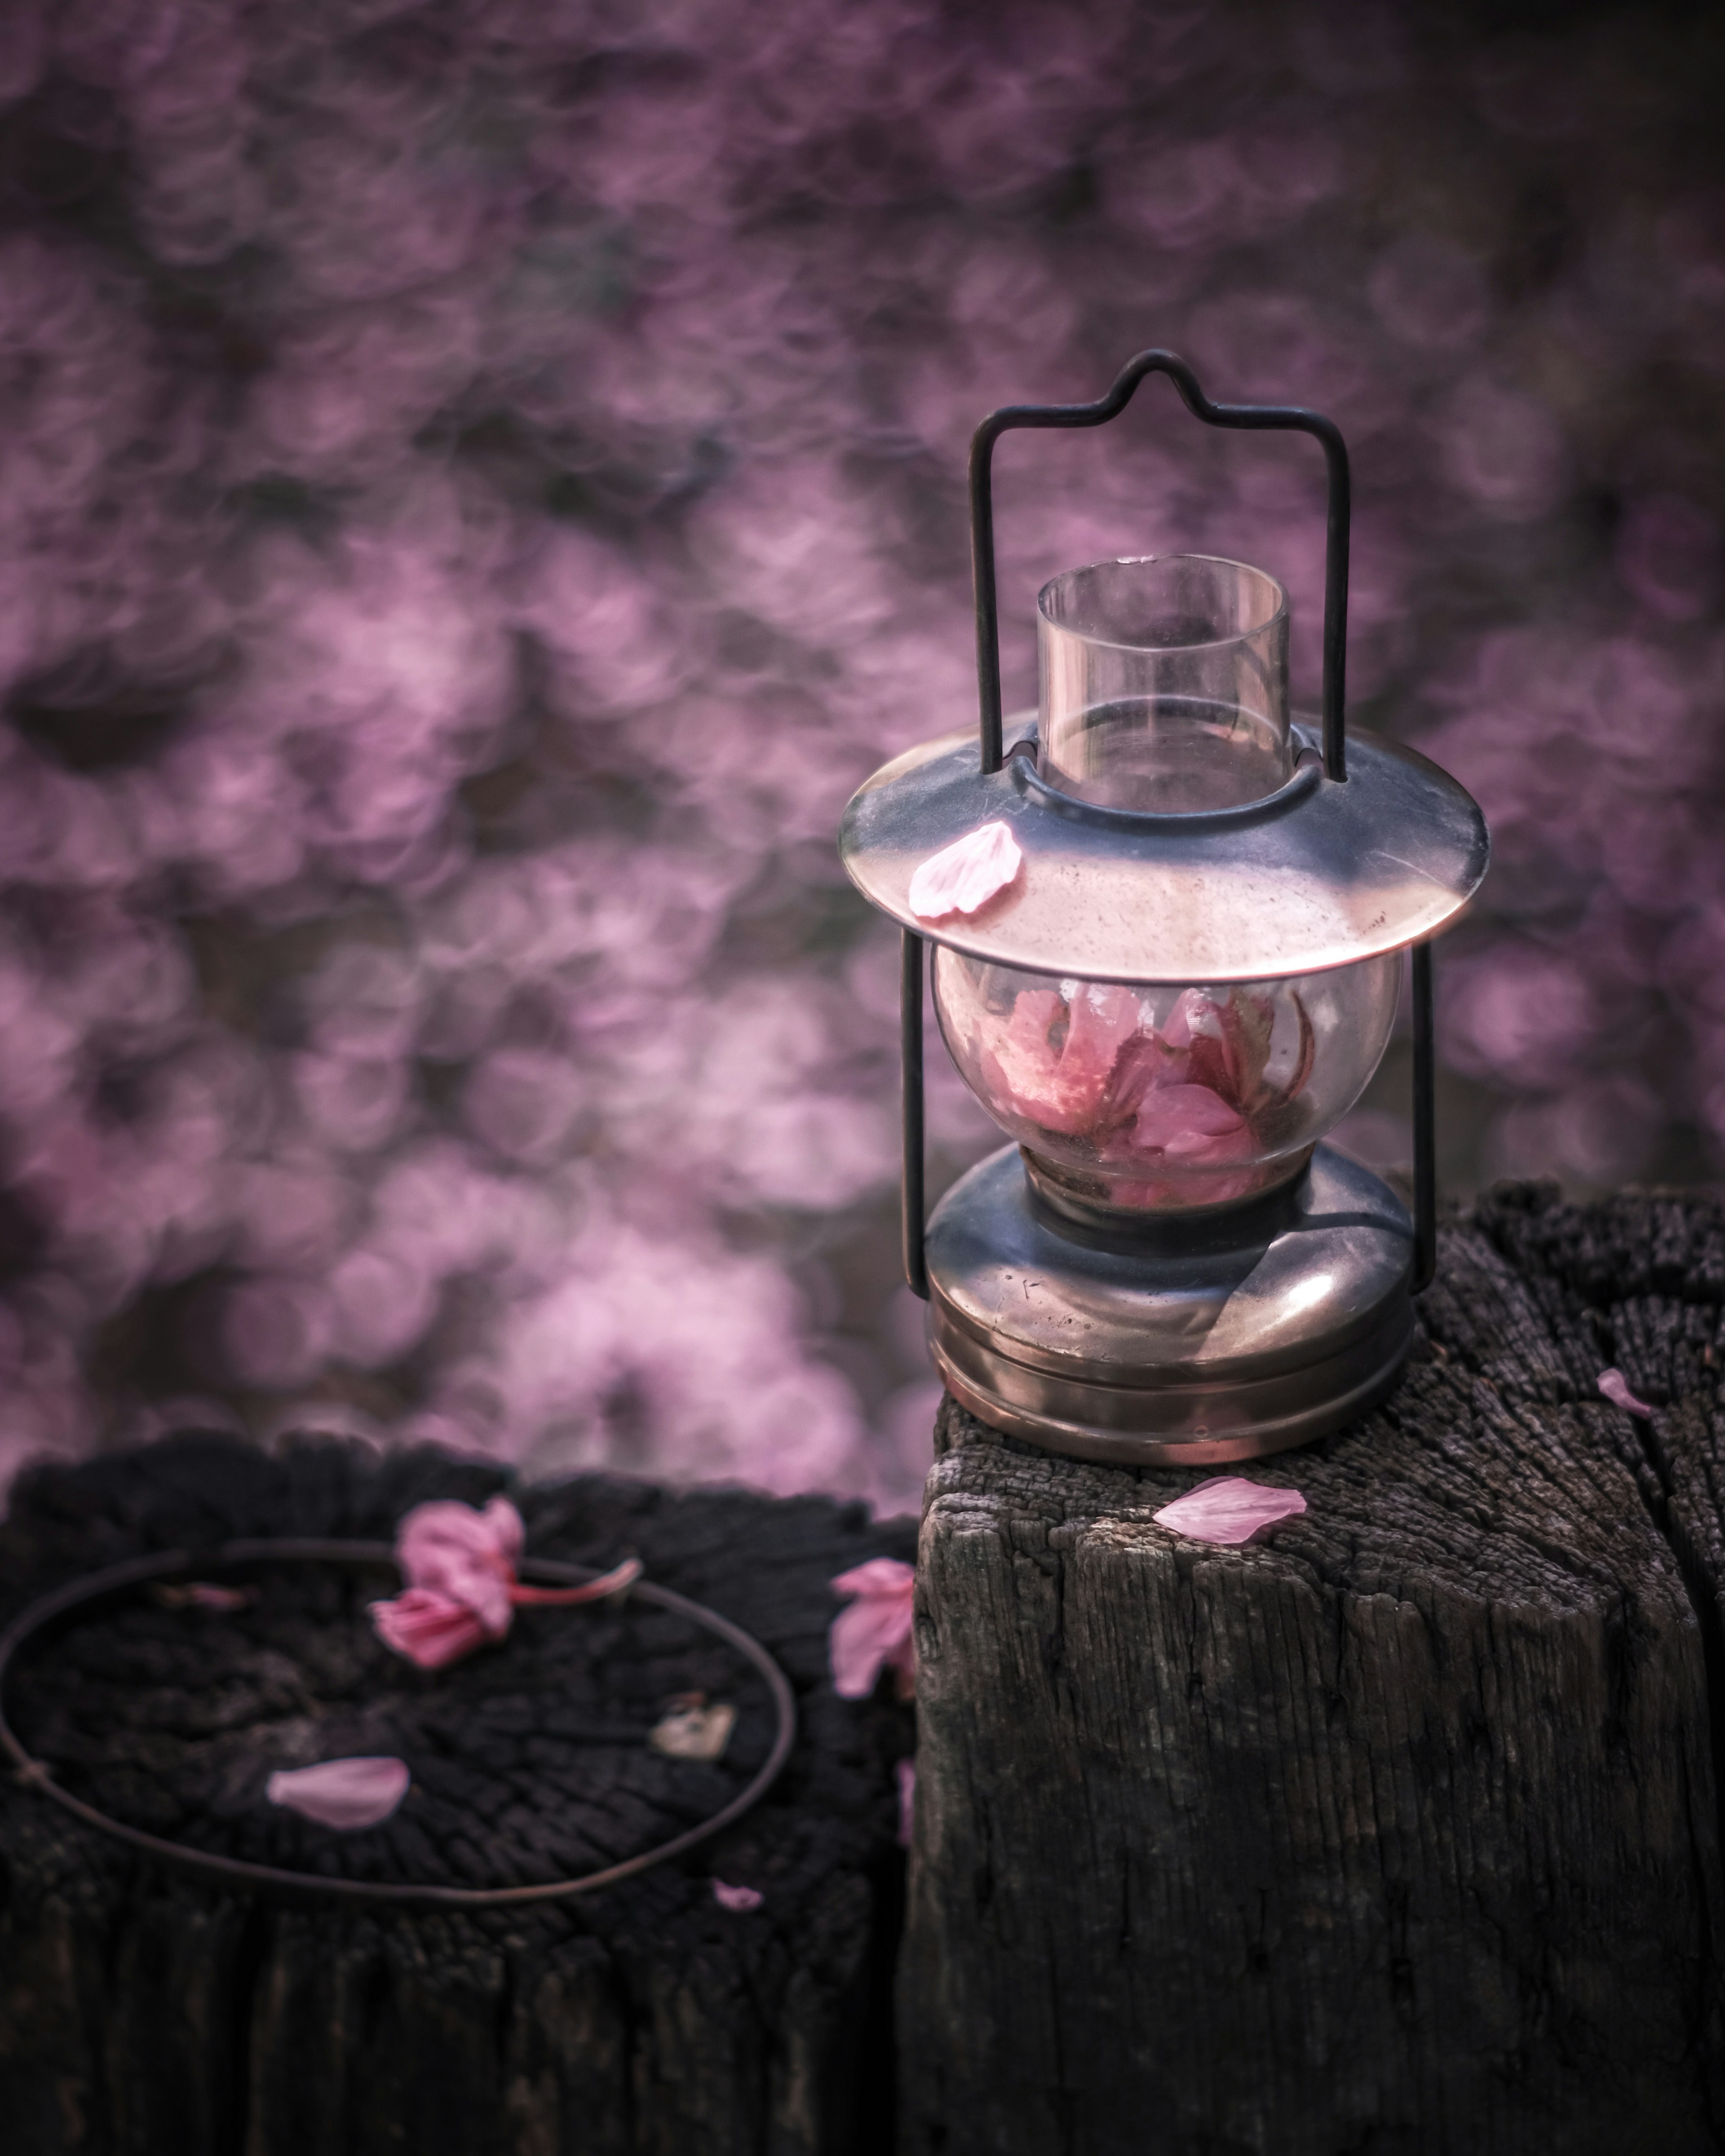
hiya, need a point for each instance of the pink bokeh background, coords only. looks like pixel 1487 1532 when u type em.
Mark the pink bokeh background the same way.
pixel 482 482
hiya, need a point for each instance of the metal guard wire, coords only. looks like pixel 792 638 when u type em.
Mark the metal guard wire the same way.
pixel 233 1871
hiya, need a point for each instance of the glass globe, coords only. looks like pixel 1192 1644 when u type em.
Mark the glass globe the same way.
pixel 1168 1098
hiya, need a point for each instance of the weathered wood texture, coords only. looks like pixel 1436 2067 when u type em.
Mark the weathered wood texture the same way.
pixel 143 2012
pixel 1398 1832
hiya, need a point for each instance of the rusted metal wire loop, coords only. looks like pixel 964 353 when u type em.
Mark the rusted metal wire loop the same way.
pixel 233 1871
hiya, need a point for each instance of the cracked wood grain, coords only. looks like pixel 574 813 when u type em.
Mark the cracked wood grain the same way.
pixel 1397 1832
pixel 141 2011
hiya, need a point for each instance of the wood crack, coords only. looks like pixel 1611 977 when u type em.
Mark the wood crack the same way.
pixel 1418 1802
pixel 139 2009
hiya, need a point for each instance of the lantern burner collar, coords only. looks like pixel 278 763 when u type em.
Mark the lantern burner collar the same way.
pixel 1020 764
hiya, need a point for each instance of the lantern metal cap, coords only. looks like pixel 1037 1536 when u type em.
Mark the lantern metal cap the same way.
pixel 1318 873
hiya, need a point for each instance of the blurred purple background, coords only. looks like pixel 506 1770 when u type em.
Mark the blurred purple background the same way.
pixel 483 482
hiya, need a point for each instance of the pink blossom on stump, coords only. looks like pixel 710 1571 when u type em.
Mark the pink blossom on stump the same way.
pixel 431 1629
pixel 740 1898
pixel 459 1566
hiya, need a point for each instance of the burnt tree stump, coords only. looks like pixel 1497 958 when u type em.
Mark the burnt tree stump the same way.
pixel 1399 1831
pixel 143 2010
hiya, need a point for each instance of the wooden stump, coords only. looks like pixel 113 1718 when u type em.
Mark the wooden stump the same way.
pixel 142 2011
pixel 1399 1831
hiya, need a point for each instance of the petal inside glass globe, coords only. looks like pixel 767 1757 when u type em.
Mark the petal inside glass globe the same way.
pixel 1165 1098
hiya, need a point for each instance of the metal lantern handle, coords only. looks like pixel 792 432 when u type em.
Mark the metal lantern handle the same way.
pixel 1260 417
pixel 1265 418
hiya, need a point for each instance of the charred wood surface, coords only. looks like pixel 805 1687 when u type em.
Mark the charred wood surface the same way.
pixel 142 2010
pixel 1397 1832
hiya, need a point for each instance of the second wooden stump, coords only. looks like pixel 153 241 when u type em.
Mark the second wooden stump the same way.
pixel 1398 1832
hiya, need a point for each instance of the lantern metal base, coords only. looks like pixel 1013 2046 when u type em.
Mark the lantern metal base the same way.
pixel 1183 1341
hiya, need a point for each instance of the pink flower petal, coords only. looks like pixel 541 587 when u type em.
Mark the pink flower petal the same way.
pixel 864 1639
pixel 736 1897
pixel 1615 1387
pixel 905 1772
pixel 967 874
pixel 430 1628
pixel 205 1594
pixel 464 1553
pixel 1066 1088
pixel 1190 1123
pixel 1228 1509
pixel 886 1576
pixel 344 1793
pixel 875 1632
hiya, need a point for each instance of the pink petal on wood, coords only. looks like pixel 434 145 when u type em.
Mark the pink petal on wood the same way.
pixel 206 1594
pixel 345 1794
pixel 430 1628
pixel 967 874
pixel 736 1897
pixel 1615 1387
pixel 1228 1509
pixel 905 1772
pixel 876 1631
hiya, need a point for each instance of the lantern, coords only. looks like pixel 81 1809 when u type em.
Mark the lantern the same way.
pixel 1167 921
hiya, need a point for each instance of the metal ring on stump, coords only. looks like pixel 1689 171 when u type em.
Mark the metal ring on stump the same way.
pixel 234 1871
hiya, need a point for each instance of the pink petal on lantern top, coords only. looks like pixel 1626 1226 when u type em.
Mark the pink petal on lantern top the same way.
pixel 344 1793
pixel 1228 1509
pixel 1615 1387
pixel 875 1633
pixel 736 1897
pixel 967 874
